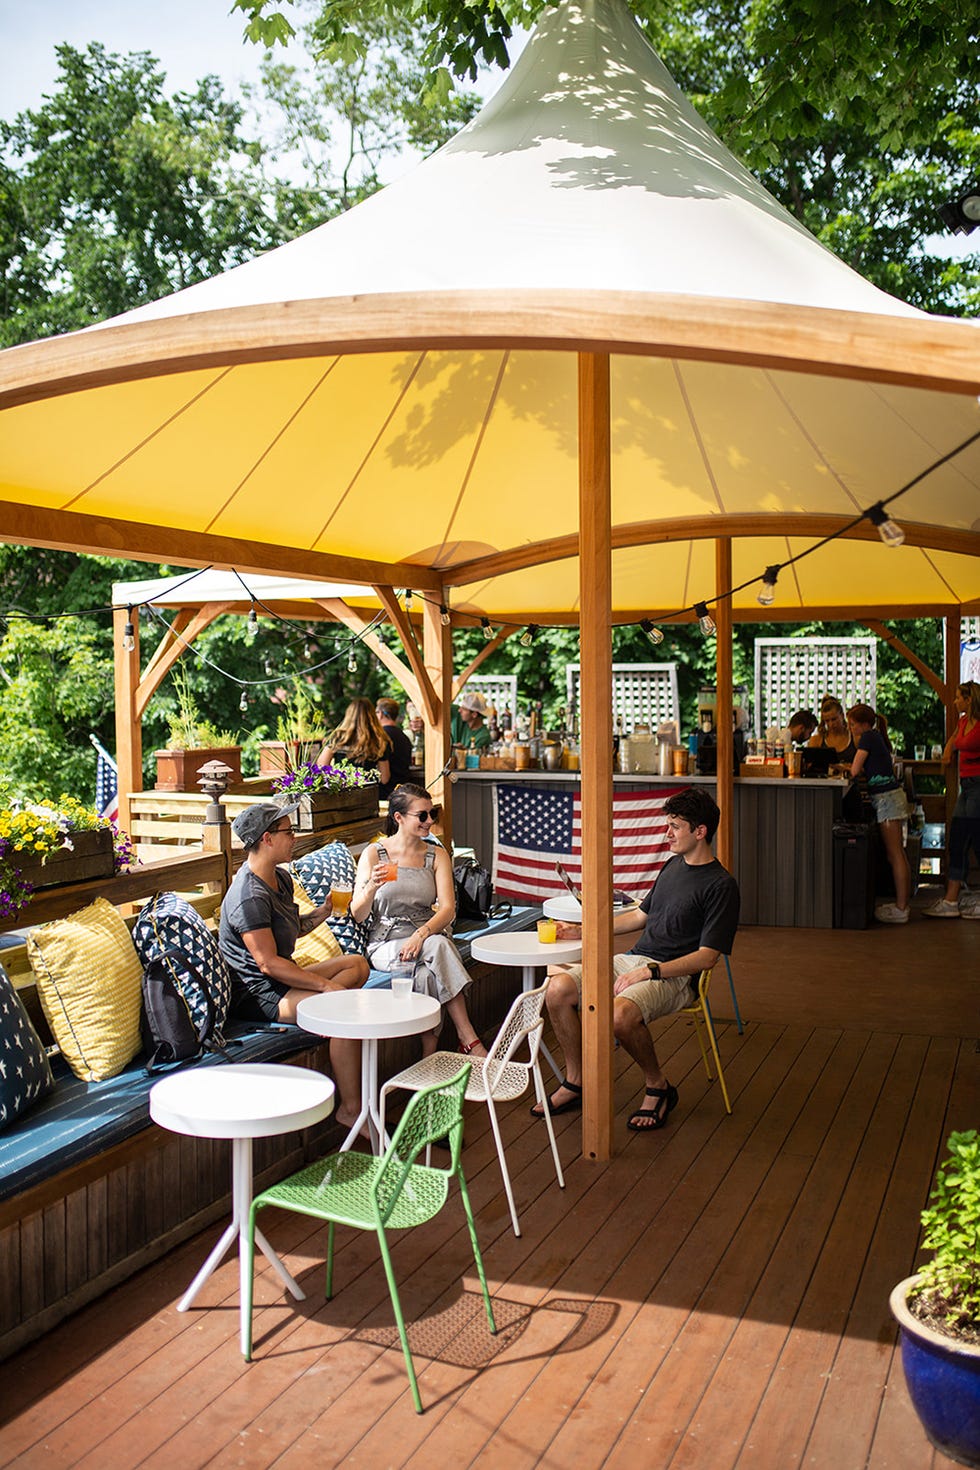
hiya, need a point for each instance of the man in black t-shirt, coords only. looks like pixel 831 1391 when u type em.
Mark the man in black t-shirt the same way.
pixel 688 921
pixel 400 752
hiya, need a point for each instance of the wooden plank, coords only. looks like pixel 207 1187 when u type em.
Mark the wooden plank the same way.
pixel 725 789
pixel 595 597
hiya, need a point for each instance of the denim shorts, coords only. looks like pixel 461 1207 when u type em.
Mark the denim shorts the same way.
pixel 890 806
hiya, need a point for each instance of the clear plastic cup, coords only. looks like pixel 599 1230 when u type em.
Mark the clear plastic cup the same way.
pixel 401 986
pixel 547 931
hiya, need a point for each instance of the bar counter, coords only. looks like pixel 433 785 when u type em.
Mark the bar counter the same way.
pixel 783 838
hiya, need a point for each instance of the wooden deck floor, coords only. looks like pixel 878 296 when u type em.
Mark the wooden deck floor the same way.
pixel 715 1296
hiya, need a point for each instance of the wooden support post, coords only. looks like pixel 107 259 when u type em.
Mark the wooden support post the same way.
pixel 725 789
pixel 216 837
pixel 595 595
pixel 951 670
pixel 437 651
pixel 129 726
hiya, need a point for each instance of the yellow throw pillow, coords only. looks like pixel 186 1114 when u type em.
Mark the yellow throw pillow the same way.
pixel 89 978
pixel 320 944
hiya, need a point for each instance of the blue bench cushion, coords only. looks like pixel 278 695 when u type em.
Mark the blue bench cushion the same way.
pixel 81 1119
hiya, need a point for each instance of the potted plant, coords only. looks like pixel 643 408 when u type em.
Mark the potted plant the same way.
pixel 47 845
pixel 938 1310
pixel 300 732
pixel 328 794
pixel 192 743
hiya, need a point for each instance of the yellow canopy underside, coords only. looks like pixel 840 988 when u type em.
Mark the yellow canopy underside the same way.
pixel 445 457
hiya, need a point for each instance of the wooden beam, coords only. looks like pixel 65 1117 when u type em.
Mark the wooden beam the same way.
pixel 918 351
pixel 501 636
pixel 425 696
pixel 68 530
pixel 887 636
pixel 129 728
pixel 725 788
pixel 359 625
pixel 172 647
pixel 657 533
pixel 595 590
pixel 437 648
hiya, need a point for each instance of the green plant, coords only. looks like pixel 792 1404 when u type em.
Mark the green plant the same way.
pixel 309 777
pixel 948 1289
pixel 188 729
pixel 302 721
pixel 38 830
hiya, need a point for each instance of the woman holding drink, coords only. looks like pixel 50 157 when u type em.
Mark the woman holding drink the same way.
pixel 405 892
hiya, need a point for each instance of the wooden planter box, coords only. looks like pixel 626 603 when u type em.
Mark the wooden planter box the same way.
pixel 278 756
pixel 90 856
pixel 323 809
pixel 178 770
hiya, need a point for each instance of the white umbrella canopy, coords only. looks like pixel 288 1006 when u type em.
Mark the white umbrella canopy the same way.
pixel 393 396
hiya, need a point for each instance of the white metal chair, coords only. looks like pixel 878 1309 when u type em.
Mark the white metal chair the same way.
pixel 495 1078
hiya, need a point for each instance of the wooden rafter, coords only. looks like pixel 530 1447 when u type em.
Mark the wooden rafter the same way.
pixel 501 636
pixel 172 646
pixel 934 680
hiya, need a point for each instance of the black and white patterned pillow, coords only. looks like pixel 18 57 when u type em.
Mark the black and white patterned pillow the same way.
pixel 332 867
pixel 168 923
pixel 25 1072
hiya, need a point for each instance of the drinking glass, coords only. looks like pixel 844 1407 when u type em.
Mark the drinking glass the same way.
pixel 920 752
pixel 547 931
pixel 340 901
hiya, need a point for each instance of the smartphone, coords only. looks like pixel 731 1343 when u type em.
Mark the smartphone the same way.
pixel 563 875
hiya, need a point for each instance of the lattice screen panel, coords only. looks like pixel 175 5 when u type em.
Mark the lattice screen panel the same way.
pixel 639 692
pixel 499 690
pixel 796 673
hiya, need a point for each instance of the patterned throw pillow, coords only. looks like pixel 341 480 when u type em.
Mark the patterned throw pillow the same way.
pixel 25 1072
pixel 89 979
pixel 168 922
pixel 332 867
pixel 320 943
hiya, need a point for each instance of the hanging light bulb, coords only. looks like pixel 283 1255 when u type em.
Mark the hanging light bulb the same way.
pixel 129 633
pixel 889 531
pixel 408 599
pixel 705 621
pixel 252 626
pixel 767 594
pixel 444 617
pixel 351 661
pixel 243 702
pixel 529 635
pixel 487 629
pixel 653 633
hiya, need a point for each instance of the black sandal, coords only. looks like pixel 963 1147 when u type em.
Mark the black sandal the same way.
pixel 666 1103
pixel 566 1107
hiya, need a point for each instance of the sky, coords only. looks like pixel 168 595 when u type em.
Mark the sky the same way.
pixel 190 38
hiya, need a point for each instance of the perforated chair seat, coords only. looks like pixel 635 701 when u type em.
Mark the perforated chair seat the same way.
pixel 510 1081
pixel 342 1186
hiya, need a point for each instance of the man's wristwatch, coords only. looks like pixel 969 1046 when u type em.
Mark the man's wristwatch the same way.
pixel 654 967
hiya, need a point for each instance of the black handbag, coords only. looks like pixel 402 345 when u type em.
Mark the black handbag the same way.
pixel 474 893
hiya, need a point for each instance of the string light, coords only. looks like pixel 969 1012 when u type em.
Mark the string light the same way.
pixel 444 617
pixel 705 621
pixel 529 635
pixel 653 633
pixel 487 629
pixel 408 599
pixel 889 531
pixel 351 661
pixel 243 702
pixel 767 595
pixel 252 626
pixel 129 633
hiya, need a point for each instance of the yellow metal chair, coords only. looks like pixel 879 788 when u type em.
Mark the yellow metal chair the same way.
pixel 700 1013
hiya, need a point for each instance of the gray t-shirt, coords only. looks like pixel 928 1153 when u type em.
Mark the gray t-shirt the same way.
pixel 690 905
pixel 251 904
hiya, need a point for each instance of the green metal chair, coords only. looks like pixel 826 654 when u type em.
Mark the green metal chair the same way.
pixel 369 1193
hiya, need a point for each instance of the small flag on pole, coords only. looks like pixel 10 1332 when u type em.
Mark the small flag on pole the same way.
pixel 106 783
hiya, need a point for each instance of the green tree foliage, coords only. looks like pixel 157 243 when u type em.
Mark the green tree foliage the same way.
pixel 861 121
pixel 343 119
pixel 112 194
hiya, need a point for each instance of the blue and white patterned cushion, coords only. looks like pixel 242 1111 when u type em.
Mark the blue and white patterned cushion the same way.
pixel 168 922
pixel 332 867
pixel 25 1073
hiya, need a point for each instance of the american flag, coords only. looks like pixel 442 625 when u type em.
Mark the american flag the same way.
pixel 534 829
pixel 106 783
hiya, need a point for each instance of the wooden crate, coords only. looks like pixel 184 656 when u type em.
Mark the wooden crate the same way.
pixel 90 856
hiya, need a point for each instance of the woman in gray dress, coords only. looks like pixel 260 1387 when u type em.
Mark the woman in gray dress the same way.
pixel 405 891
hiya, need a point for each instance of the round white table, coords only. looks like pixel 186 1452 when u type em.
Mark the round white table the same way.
pixel 368 1016
pixel 240 1102
pixel 527 951
pixel 569 911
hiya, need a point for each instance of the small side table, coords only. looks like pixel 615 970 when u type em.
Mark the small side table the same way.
pixel 368 1016
pixel 240 1102
pixel 527 951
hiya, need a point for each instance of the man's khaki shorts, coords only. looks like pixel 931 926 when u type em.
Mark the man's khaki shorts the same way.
pixel 652 998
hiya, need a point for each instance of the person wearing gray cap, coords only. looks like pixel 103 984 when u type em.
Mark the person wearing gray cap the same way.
pixel 260 924
pixel 468 728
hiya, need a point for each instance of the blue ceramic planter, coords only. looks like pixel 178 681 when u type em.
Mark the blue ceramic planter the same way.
pixel 943 1380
